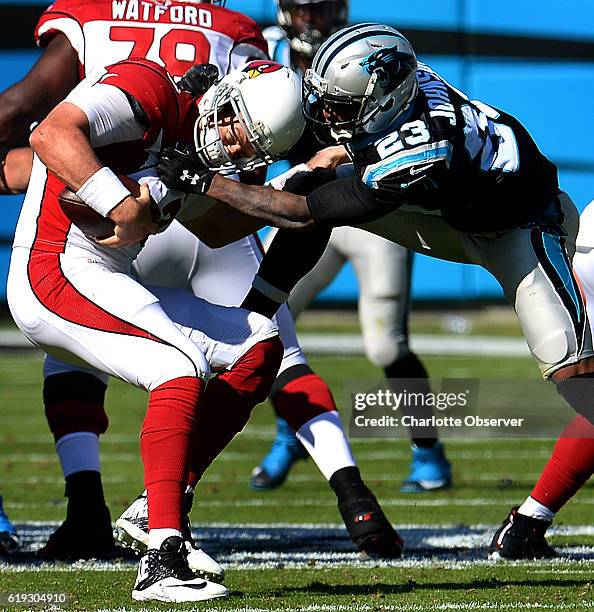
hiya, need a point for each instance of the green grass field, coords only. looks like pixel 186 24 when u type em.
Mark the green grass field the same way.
pixel 489 477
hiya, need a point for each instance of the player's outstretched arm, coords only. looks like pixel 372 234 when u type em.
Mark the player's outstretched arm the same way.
pixel 277 208
pixel 48 82
pixel 184 171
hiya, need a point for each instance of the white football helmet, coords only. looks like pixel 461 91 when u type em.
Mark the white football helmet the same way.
pixel 265 98
pixel 361 79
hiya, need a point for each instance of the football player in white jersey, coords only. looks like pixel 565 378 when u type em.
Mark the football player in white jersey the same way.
pixel 74 296
pixel 455 179
pixel 383 271
pixel 79 38
pixel 74 399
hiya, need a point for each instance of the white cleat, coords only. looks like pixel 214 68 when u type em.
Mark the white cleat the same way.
pixel 132 532
pixel 164 575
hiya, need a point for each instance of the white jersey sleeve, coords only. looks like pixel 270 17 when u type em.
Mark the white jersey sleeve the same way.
pixel 110 116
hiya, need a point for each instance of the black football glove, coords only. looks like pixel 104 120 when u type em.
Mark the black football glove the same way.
pixel 182 170
pixel 199 79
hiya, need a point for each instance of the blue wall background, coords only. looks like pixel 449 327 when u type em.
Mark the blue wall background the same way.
pixel 553 98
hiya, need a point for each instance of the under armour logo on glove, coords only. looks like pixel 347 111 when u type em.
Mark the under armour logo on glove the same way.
pixel 194 179
pixel 184 171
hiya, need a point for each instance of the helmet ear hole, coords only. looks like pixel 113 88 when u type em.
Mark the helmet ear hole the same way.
pixel 387 105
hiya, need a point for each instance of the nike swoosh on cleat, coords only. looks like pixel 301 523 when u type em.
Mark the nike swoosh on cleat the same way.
pixel 198 587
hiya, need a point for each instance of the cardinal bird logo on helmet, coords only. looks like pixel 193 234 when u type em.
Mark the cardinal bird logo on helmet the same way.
pixel 388 63
pixel 257 68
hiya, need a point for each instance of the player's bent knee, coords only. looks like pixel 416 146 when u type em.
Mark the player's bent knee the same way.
pixel 385 349
pixel 253 374
pixel 175 364
pixel 578 392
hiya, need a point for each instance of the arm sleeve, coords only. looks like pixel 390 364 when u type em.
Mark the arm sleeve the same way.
pixel 348 201
pixel 290 257
pixel 108 110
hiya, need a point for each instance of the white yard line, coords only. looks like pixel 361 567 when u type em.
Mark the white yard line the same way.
pixel 214 477
pixel 259 502
pixel 274 546
pixel 232 456
pixel 352 344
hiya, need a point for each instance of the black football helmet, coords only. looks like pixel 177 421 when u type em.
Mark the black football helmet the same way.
pixel 308 23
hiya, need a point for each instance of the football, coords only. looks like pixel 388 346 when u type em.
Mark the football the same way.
pixel 88 220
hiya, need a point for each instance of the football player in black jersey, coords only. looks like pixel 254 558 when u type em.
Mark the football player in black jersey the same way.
pixel 384 297
pixel 442 175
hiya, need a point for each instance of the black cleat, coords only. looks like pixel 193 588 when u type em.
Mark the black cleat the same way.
pixel 521 537
pixel 369 528
pixel 132 532
pixel 88 536
pixel 164 575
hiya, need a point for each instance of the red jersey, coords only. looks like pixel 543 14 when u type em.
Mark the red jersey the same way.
pixel 174 33
pixel 169 118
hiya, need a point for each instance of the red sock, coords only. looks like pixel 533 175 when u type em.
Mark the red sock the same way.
pixel 228 403
pixel 165 447
pixel 302 399
pixel 569 467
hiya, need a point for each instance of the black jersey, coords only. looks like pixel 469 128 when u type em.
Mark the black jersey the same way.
pixel 473 164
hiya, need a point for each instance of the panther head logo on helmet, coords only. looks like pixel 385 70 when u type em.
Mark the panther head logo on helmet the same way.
pixel 388 63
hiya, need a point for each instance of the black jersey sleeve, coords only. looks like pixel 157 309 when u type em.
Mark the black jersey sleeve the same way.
pixel 348 201
pixel 304 183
